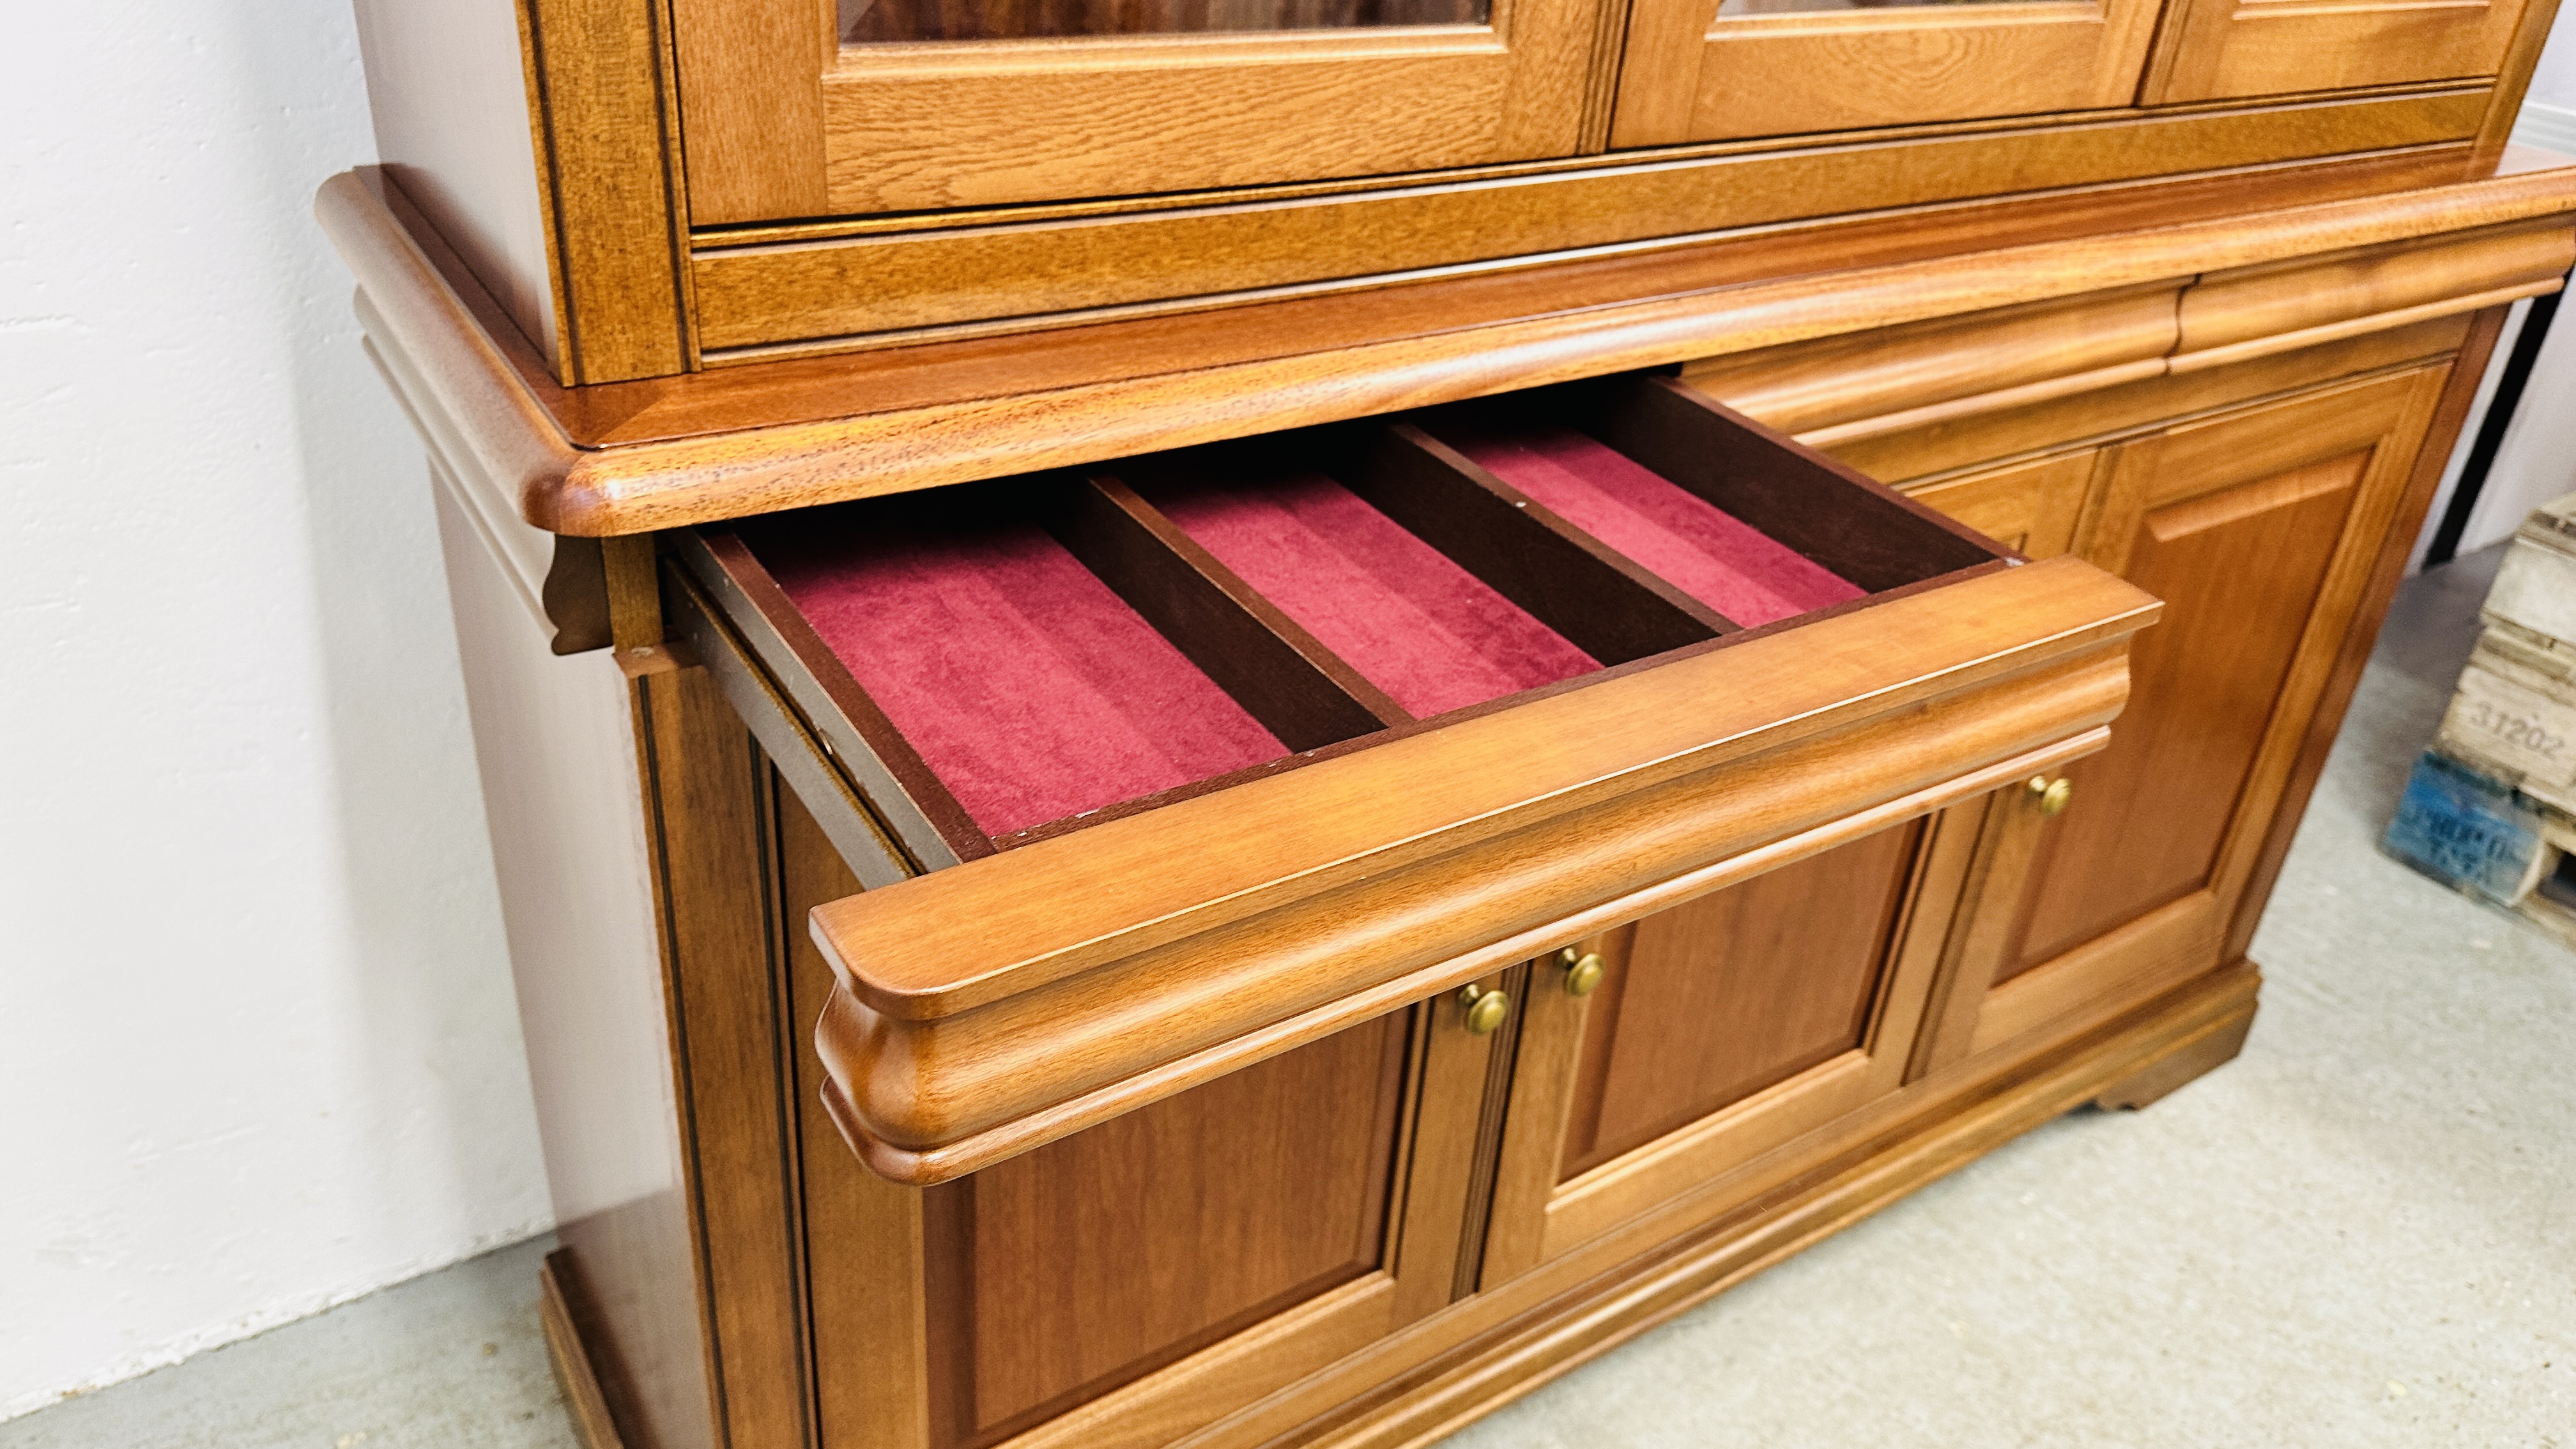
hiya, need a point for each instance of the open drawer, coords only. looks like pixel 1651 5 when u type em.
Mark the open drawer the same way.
pixel 1163 768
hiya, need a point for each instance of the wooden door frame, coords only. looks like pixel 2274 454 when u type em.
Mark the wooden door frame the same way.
pixel 1449 1112
pixel 2375 45
pixel 1535 1217
pixel 783 122
pixel 1685 72
pixel 2389 414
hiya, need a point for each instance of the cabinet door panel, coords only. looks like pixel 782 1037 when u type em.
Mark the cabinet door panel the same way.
pixel 2259 529
pixel 918 108
pixel 1722 1028
pixel 1094 1260
pixel 1735 992
pixel 1697 70
pixel 2240 570
pixel 1124 1285
pixel 2225 48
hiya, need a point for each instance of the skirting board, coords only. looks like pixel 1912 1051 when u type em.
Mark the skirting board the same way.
pixel 583 1401
pixel 2551 128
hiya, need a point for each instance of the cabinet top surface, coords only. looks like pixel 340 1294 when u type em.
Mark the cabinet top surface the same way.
pixel 631 457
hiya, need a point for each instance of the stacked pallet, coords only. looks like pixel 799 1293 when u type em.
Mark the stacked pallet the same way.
pixel 2491 808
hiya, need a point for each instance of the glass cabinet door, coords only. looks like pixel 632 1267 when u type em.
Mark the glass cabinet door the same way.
pixel 2222 49
pixel 814 108
pixel 1708 70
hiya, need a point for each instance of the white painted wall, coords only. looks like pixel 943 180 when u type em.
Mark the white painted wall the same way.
pixel 2537 462
pixel 258 1049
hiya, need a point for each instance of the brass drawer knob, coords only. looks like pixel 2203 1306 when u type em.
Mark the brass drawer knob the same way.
pixel 2052 795
pixel 1582 971
pixel 1485 1009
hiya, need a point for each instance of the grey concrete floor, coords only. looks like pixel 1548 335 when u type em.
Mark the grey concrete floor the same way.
pixel 2361 1233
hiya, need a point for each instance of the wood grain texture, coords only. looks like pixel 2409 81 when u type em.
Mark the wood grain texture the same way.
pixel 675 483
pixel 1709 76
pixel 2292 297
pixel 2239 570
pixel 1101 1103
pixel 2513 80
pixel 1174 1008
pixel 617 213
pixel 1572 747
pixel 863 1235
pixel 2033 508
pixel 751 105
pixel 732 1042
pixel 2225 48
pixel 786 659
pixel 584 1404
pixel 2195 1056
pixel 2139 894
pixel 752 468
pixel 1039 120
pixel 797 284
pixel 1737 991
pixel 1965 444
pixel 1808 386
pixel 2082 350
pixel 1182 338
pixel 1602 603
pixel 1431 1381
pixel 1092 1261
pixel 1426 1213
pixel 556 750
pixel 1717 1144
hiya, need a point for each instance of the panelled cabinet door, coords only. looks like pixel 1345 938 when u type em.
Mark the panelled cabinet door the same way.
pixel 1128 1283
pixel 796 108
pixel 1710 70
pixel 2220 49
pixel 2258 529
pixel 1718 1030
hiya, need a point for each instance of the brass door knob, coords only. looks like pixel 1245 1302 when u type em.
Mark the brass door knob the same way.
pixel 2052 795
pixel 1485 1009
pixel 1582 972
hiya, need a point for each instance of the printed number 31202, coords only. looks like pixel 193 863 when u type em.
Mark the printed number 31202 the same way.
pixel 2515 730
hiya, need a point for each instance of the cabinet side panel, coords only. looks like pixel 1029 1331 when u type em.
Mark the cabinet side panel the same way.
pixel 554 742
pixel 450 97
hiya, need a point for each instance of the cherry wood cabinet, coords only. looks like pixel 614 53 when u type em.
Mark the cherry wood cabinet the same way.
pixel 2252 527
pixel 1701 71
pixel 792 111
pixel 1719 1031
pixel 2222 49
pixel 1239 726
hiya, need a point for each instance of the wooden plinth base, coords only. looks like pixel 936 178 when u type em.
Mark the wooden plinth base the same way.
pixel 573 1374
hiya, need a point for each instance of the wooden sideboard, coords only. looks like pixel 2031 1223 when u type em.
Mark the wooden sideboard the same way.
pixel 1241 726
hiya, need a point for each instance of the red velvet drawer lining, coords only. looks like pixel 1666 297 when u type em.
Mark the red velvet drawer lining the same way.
pixel 1696 546
pixel 1027 686
pixel 1417 625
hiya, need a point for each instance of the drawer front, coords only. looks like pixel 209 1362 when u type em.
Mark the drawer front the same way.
pixel 1211 755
